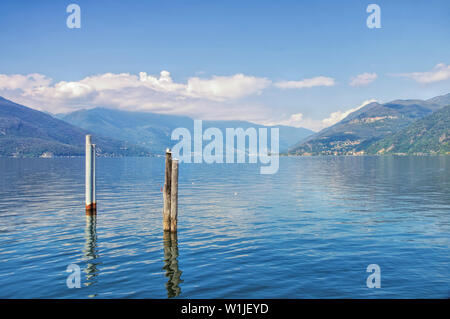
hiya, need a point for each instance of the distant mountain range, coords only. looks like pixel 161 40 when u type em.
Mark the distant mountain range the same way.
pixel 152 131
pixel 149 130
pixel 397 127
pixel 25 132
pixel 393 127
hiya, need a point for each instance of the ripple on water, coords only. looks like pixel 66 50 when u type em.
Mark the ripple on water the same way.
pixel 307 232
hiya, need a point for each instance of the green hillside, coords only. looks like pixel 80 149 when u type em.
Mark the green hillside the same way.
pixel 25 132
pixel 430 135
pixel 368 125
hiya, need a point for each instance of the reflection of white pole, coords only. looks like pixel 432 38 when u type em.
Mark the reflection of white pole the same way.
pixel 90 177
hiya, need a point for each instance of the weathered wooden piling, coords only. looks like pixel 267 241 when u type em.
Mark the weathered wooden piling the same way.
pixel 91 206
pixel 174 196
pixel 170 194
pixel 167 190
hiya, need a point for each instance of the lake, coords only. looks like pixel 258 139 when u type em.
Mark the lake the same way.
pixel 309 231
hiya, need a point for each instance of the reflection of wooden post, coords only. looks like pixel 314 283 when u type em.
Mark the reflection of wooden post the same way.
pixel 166 191
pixel 91 208
pixel 174 197
pixel 171 264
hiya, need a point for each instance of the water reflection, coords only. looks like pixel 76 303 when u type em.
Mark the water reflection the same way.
pixel 171 264
pixel 321 219
pixel 90 250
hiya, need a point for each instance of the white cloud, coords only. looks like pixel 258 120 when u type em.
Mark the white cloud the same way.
pixel 440 72
pixel 340 115
pixel 144 92
pixel 217 88
pixel 220 88
pixel 23 82
pixel 306 83
pixel 295 120
pixel 61 90
pixel 363 79
pixel 214 98
pixel 198 96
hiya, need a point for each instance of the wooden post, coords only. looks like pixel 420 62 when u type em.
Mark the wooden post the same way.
pixel 174 197
pixel 90 177
pixel 166 191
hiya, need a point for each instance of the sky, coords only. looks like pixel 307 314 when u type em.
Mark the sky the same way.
pixel 300 63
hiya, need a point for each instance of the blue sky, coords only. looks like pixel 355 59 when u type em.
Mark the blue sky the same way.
pixel 206 44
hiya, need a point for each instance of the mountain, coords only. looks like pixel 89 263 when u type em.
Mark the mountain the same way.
pixel 148 130
pixel 26 132
pixel 355 133
pixel 429 135
pixel 288 135
pixel 152 131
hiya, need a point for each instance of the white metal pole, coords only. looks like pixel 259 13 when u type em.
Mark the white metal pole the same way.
pixel 88 171
pixel 94 198
pixel 90 177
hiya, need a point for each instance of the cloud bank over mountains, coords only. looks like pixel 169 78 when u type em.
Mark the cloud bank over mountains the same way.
pixel 98 87
pixel 216 97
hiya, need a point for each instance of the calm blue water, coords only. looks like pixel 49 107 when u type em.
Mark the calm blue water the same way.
pixel 309 231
